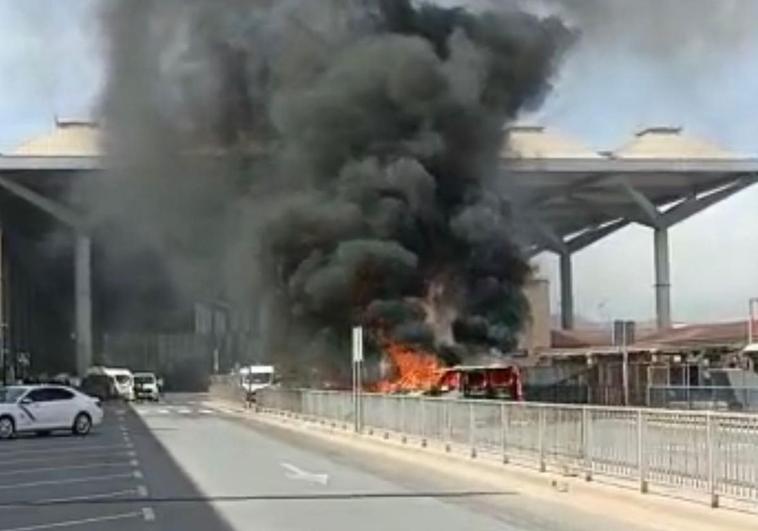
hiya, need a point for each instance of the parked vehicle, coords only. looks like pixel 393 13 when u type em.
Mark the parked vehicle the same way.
pixel 123 380
pixel 100 386
pixel 46 408
pixel 146 386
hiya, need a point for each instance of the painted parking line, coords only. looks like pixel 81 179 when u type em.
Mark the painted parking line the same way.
pixel 132 463
pixel 44 459
pixel 87 497
pixel 83 521
pixel 57 450
pixel 136 474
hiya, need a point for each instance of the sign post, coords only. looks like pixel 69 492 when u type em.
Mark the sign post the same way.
pixel 357 364
pixel 752 324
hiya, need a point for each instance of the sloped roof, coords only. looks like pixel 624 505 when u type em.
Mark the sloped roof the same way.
pixel 536 142
pixel 68 139
pixel 670 143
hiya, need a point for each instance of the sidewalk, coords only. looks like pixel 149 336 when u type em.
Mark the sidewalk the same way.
pixel 655 511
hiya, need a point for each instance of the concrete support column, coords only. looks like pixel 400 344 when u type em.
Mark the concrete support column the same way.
pixel 567 292
pixel 662 278
pixel 83 303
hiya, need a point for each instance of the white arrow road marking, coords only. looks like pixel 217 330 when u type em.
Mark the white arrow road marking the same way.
pixel 294 472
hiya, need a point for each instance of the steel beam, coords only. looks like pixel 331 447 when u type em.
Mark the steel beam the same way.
pixel 567 291
pixel 646 207
pixel 662 278
pixel 83 303
pixel 591 236
pixel 693 205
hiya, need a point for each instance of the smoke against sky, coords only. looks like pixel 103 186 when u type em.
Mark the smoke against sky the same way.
pixel 609 86
pixel 360 142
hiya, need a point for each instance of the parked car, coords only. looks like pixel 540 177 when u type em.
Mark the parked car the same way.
pixel 46 408
pixel 100 386
pixel 146 386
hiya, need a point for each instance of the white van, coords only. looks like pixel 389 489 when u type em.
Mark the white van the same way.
pixel 123 380
pixel 253 378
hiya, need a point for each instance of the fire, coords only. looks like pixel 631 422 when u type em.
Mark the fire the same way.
pixel 416 369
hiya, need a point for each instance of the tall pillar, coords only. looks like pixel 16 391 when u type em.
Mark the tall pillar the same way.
pixel 83 303
pixel 662 278
pixel 567 292
pixel 3 316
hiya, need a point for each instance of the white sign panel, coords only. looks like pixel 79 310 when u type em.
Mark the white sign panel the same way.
pixel 357 344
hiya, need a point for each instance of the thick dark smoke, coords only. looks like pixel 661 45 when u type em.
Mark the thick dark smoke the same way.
pixel 325 162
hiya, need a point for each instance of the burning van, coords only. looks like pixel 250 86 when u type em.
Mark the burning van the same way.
pixel 493 382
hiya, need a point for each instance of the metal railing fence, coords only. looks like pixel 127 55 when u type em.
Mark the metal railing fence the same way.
pixel 715 454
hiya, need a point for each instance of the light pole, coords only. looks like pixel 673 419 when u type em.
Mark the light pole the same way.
pixel 752 320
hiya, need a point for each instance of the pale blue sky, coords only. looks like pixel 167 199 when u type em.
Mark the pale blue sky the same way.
pixel 618 78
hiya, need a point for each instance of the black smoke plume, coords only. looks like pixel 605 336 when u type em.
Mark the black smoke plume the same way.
pixel 325 163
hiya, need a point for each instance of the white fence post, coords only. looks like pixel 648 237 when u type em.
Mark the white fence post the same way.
pixel 711 441
pixel 403 435
pixel 472 429
pixel 503 435
pixel 541 437
pixel 449 426
pixel 641 453
pixel 423 423
pixel 587 442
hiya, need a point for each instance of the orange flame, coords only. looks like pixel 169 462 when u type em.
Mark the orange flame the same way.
pixel 416 369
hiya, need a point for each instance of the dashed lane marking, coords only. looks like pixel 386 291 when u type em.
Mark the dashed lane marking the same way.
pixel 71 480
pixel 142 491
pixel 83 521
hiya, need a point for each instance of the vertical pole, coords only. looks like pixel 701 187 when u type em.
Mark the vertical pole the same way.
pixel 625 364
pixel 503 435
pixel 641 454
pixel 711 443
pixel 587 442
pixel 541 437
pixel 449 421
pixel 83 303
pixel 662 278
pixel 567 291
pixel 471 429
pixel 423 422
pixel 403 436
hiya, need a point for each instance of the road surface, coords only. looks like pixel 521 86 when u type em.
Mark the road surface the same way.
pixel 264 478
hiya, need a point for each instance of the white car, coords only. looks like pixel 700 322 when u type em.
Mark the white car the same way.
pixel 146 386
pixel 45 408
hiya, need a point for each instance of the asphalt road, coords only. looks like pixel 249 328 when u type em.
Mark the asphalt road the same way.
pixel 104 481
pixel 264 478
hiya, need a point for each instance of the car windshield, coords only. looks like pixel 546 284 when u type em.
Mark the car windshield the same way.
pixel 258 378
pixel 123 378
pixel 9 395
pixel 144 379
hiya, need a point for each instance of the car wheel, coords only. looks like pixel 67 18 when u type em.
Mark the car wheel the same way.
pixel 7 428
pixel 82 424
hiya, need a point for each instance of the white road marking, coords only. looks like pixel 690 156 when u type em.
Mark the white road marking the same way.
pixel 297 473
pixel 184 410
pixel 102 496
pixel 205 411
pixel 83 521
pixel 137 474
pixel 57 468
pixel 45 459
pixel 71 480
pixel 62 450
pixel 134 463
pixel 142 491
pixel 148 514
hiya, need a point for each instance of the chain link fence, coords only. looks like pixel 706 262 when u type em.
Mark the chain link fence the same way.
pixel 703 452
